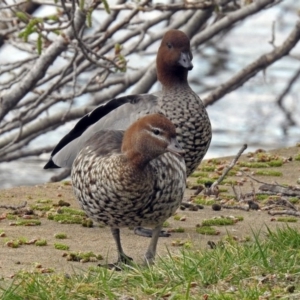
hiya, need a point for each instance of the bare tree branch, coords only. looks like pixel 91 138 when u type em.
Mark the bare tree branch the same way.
pixel 201 4
pixel 96 61
pixel 9 99
pixel 285 92
pixel 230 19
pixel 251 70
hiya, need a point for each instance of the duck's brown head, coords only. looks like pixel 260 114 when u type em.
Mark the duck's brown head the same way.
pixel 148 138
pixel 174 58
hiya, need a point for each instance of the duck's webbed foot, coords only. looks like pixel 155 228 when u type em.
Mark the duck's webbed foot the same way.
pixel 122 257
pixel 149 232
pixel 122 260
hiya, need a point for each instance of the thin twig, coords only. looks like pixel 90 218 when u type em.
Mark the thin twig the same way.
pixel 284 212
pixel 236 207
pixel 227 169
pixel 13 207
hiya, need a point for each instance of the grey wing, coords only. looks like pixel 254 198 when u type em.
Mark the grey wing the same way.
pixel 118 119
pixel 105 142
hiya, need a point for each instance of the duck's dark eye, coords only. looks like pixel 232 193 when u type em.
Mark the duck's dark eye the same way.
pixel 156 131
pixel 170 46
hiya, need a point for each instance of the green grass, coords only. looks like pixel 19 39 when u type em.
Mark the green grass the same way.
pixel 60 236
pixel 199 174
pixel 205 181
pixel 83 256
pixel 60 246
pixel 261 196
pixel 253 164
pixel 288 219
pixel 41 243
pixel 294 200
pixel 22 222
pixel 179 229
pixel 207 230
pixel 275 163
pixel 268 173
pixel 204 201
pixel 66 219
pixel 208 168
pixel 218 222
pixel 67 215
pixel 268 265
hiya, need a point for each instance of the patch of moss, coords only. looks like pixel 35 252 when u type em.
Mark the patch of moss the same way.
pixel 40 207
pixel 27 223
pixel 179 229
pixel 83 256
pixel 13 244
pixel 294 200
pixel 66 182
pixel 166 224
pixel 177 217
pixel 10 216
pixel 268 173
pixel 218 222
pixel 207 230
pixel 229 181
pixel 70 211
pixel 59 246
pixel 253 164
pixel 275 163
pixel 232 173
pixel 214 161
pixel 205 181
pixel 199 174
pixel 228 196
pixel 204 201
pixel 261 196
pixel 44 201
pixel 188 245
pixel 223 190
pixel 207 168
pixel 86 222
pixel 66 219
pixel 67 215
pixel 60 236
pixel 41 243
pixel 297 157
pixel 181 243
pixel 287 219
pixel 22 240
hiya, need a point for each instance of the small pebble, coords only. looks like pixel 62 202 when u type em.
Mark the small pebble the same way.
pixel 290 288
pixel 216 207
pixel 253 205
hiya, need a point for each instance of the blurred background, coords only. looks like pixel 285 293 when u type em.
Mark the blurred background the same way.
pixel 264 112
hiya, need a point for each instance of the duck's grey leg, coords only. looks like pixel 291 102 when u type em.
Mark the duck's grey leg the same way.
pixel 151 251
pixel 148 232
pixel 122 257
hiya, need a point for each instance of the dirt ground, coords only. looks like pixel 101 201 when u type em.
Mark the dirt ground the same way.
pixel 99 240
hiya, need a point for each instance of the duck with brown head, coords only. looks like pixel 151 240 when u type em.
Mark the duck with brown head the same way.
pixel 174 59
pixel 176 101
pixel 119 186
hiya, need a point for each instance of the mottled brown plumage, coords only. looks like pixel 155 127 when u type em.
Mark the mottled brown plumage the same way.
pixel 177 101
pixel 131 180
